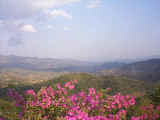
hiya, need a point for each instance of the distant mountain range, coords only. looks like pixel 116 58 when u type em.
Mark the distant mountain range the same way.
pixel 148 70
pixel 15 70
pixel 54 65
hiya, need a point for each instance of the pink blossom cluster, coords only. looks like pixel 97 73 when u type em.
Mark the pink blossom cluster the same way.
pixel 150 113
pixel 16 96
pixel 59 104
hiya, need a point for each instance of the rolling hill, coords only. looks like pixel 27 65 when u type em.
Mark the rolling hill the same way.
pixel 53 65
pixel 86 80
pixel 148 70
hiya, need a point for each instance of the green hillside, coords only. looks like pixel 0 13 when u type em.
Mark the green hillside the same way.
pixel 85 81
pixel 148 71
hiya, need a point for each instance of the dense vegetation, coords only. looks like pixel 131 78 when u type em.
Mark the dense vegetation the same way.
pixel 62 103
pixel 86 80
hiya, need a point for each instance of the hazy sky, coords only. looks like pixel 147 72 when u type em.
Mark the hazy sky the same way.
pixel 80 29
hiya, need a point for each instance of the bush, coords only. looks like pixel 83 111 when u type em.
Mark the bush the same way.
pixel 156 95
pixel 62 104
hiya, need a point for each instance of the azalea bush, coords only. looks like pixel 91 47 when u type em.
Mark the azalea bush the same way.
pixel 62 103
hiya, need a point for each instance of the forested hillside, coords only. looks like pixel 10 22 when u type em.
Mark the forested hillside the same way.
pixel 148 70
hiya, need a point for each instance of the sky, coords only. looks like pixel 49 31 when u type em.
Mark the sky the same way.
pixel 92 30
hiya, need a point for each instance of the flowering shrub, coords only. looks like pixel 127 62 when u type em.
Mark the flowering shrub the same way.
pixel 60 104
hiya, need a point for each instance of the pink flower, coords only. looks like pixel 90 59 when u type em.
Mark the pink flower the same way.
pixel 90 105
pixel 58 86
pixel 108 89
pixel 30 92
pixel 91 91
pixel 67 84
pixel 135 118
pixel 71 87
pixel 158 108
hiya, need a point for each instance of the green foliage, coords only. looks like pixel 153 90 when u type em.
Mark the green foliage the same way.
pixel 8 110
pixel 85 80
pixel 156 95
